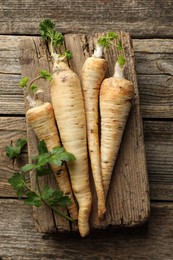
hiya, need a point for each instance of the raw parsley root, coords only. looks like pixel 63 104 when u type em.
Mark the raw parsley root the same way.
pixel 41 118
pixel 48 195
pixel 68 104
pixel 93 73
pixel 115 102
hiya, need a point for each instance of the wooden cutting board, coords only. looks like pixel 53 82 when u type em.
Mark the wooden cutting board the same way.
pixel 128 199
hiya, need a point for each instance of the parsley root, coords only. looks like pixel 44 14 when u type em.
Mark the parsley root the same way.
pixel 69 111
pixel 93 73
pixel 115 102
pixel 41 118
pixel 68 105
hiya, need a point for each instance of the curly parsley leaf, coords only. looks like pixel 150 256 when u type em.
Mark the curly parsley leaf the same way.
pixel 48 32
pixel 68 54
pixel 44 74
pixel 106 40
pixel 23 82
pixel 121 60
pixel 47 29
pixel 33 88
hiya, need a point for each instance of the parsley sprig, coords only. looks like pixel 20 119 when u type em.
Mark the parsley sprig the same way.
pixel 107 40
pixel 54 38
pixel 32 87
pixel 40 165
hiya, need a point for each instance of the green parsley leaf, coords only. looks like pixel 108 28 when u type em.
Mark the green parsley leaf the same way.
pixel 58 39
pixel 21 143
pixel 43 159
pixel 112 35
pixel 106 40
pixel 13 151
pixel 119 46
pixel 28 167
pixel 68 54
pixel 121 60
pixel 55 198
pixel 59 155
pixel 47 29
pixel 33 88
pixel 42 171
pixel 42 147
pixel 23 82
pixel 44 74
pixel 17 181
pixel 48 32
pixel 33 199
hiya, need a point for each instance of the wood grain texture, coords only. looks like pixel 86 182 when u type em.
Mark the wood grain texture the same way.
pixel 10 130
pixel 159 150
pixel 19 239
pixel 128 201
pixel 140 18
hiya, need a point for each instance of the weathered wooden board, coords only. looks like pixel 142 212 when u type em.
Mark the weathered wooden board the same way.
pixel 128 200
pixel 141 18
pixel 19 239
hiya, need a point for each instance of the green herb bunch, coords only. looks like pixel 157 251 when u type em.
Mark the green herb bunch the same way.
pixel 32 87
pixel 40 165
pixel 54 38
pixel 107 40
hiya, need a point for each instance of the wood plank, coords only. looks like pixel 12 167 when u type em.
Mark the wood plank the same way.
pixel 159 150
pixel 141 18
pixel 154 64
pixel 123 207
pixel 153 45
pixel 19 239
pixel 156 95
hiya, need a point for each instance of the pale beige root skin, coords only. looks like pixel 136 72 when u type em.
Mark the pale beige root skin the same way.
pixel 93 73
pixel 69 111
pixel 115 103
pixel 42 120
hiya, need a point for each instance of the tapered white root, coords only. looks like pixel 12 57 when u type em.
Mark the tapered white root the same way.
pixel 93 72
pixel 69 111
pixel 41 118
pixel 115 103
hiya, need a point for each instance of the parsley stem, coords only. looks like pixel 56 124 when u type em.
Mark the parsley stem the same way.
pixel 47 204
pixel 39 77
pixel 61 213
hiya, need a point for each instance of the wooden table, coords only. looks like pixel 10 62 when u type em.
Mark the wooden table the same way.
pixel 150 24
